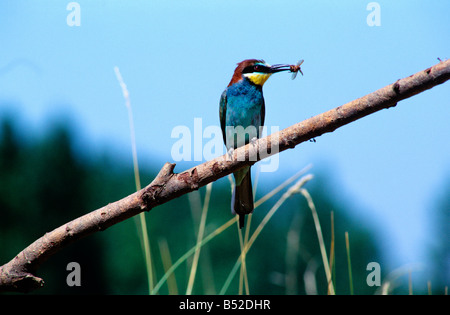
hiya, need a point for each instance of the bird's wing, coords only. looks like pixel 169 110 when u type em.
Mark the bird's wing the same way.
pixel 223 114
pixel 263 114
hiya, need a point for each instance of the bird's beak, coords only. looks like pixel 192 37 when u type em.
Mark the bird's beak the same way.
pixel 279 68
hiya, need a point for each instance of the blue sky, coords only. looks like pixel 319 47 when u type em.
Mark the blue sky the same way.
pixel 177 57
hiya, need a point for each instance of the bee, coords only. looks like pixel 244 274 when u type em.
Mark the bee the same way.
pixel 296 68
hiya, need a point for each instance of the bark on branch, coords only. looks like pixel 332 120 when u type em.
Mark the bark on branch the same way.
pixel 20 273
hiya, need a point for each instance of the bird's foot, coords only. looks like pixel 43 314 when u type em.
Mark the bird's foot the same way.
pixel 230 154
pixel 253 141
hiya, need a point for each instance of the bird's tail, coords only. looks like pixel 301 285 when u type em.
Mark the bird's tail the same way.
pixel 242 200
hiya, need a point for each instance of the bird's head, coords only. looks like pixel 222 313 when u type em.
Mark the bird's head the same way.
pixel 256 71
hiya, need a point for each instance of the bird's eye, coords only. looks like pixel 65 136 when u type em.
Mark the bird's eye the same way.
pixel 256 68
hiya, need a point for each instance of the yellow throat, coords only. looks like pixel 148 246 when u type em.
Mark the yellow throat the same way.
pixel 257 77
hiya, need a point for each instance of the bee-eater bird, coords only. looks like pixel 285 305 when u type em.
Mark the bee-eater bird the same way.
pixel 242 105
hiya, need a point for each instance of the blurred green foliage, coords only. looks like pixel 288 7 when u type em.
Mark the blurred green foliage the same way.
pixel 439 258
pixel 44 183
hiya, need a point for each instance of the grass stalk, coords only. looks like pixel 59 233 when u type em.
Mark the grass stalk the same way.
pixel 282 186
pixel 391 280
pixel 243 274
pixel 332 244
pixel 229 223
pixel 243 277
pixel 167 263
pixel 143 224
pixel 323 251
pixel 294 189
pixel 349 262
pixel 200 233
pixel 190 252
pixel 292 254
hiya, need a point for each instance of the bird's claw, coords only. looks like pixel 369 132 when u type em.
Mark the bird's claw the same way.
pixel 230 154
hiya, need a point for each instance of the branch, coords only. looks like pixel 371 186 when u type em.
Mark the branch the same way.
pixel 19 273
